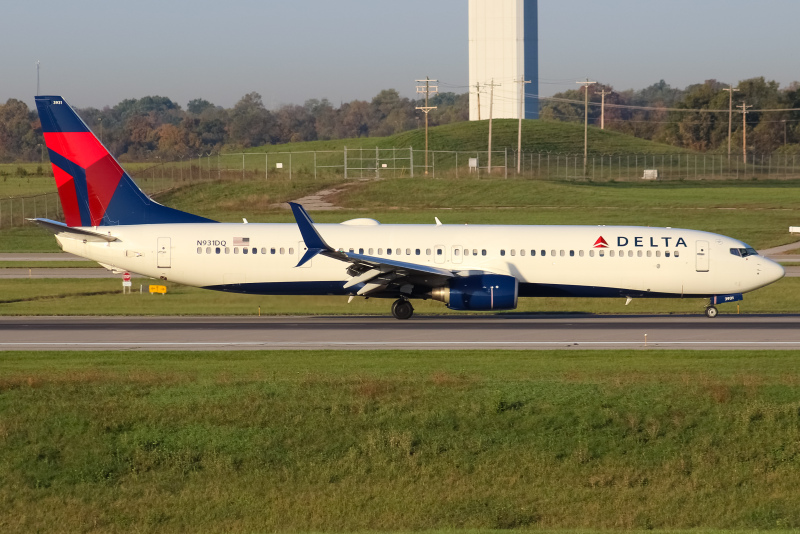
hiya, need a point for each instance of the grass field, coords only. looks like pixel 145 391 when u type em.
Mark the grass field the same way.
pixel 385 441
pixel 104 297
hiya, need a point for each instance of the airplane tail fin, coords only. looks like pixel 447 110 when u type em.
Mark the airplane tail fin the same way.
pixel 93 188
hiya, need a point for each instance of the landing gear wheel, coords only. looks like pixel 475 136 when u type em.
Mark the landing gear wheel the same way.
pixel 711 312
pixel 402 309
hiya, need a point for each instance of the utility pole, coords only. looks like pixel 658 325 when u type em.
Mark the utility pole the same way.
pixel 784 131
pixel 744 130
pixel 522 82
pixel 491 103
pixel 426 109
pixel 730 90
pixel 478 90
pixel 603 94
pixel 586 85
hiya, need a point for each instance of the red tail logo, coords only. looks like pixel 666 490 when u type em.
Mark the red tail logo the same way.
pixel 600 243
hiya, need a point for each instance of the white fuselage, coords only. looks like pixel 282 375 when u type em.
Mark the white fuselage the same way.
pixel 546 260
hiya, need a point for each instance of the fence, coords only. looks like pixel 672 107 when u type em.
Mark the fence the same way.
pixel 378 163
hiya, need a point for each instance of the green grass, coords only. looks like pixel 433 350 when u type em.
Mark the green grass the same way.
pixel 18 186
pixel 399 441
pixel 104 297
pixel 46 264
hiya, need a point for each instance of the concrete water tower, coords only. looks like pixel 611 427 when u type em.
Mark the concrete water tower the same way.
pixel 503 46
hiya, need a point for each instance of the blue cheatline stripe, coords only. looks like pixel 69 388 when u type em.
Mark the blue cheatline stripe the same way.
pixel 79 181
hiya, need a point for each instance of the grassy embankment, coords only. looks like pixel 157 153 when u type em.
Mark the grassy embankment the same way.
pixel 372 441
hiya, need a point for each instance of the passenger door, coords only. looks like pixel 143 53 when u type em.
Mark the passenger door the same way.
pixel 702 256
pixel 164 253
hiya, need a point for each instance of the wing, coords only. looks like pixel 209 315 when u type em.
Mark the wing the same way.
pixel 374 275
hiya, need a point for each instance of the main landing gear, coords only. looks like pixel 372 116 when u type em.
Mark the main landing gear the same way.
pixel 711 312
pixel 402 309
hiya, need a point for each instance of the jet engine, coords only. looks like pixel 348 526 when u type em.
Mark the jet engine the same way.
pixel 482 292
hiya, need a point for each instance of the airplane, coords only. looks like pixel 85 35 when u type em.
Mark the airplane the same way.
pixel 108 219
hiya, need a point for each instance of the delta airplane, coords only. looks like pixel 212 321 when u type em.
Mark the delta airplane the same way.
pixel 108 219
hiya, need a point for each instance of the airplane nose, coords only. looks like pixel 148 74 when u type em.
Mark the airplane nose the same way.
pixel 771 270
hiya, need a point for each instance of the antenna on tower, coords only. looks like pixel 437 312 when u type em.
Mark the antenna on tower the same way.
pixel 37 77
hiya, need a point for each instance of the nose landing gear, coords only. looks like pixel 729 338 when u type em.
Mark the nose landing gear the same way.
pixel 711 312
pixel 402 309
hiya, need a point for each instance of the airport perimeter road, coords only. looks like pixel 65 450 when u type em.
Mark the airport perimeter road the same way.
pixel 348 333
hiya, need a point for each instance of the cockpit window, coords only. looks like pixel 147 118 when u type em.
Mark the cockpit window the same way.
pixel 744 252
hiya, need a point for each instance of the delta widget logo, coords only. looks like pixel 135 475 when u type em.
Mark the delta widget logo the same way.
pixel 600 243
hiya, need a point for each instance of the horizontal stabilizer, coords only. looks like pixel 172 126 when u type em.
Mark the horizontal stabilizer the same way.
pixel 59 228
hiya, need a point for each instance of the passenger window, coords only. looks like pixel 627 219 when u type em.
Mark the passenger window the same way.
pixel 561 253
pixel 591 253
pixel 282 250
pixel 398 252
pixel 611 253
pixel 208 250
pixel 455 252
pixel 199 250
pixel 218 251
pixel 533 252
pixel 552 252
pixel 351 251
pixel 291 251
pixel 513 252
pixel 571 253
pixel 388 252
pixel 272 250
pixel 502 252
pixel 658 253
pixel 361 251
pixel 380 252
pixel 522 252
pixel 630 253
pixel 235 250
pixel 227 250
pixel 427 252
pixel 544 253
pixel 676 254
pixel 666 253
pixel 466 252
pixel 580 253
pixel 370 251
pixel 417 252
pixel 244 251
pixel 601 253
pixel 483 252
pixel 439 252
pixel 639 253
pixel 474 251
pixel 255 250
pixel 408 252
pixel 649 253
pixel 263 250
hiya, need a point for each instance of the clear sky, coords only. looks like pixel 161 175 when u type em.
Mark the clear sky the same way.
pixel 96 53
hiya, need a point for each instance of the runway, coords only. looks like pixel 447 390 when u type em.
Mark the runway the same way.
pixel 511 331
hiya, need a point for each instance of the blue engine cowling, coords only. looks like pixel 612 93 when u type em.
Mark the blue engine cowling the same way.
pixel 482 292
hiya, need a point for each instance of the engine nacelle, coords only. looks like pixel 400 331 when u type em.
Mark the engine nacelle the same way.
pixel 480 292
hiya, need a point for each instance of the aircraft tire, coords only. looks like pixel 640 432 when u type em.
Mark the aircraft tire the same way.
pixel 402 309
pixel 711 312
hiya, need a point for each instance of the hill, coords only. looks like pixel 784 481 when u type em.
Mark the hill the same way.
pixel 537 136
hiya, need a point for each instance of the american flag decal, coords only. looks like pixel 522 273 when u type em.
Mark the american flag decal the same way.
pixel 241 241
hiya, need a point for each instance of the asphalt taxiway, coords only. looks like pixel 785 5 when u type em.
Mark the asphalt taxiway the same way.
pixel 510 331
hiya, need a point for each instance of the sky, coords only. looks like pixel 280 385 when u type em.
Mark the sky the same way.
pixel 97 53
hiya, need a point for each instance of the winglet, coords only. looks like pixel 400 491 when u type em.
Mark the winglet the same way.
pixel 311 237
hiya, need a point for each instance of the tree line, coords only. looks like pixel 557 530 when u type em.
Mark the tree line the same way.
pixel 767 132
pixel 156 126
pixel 143 128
